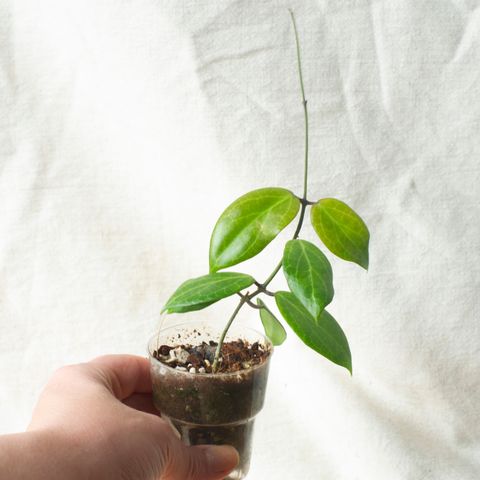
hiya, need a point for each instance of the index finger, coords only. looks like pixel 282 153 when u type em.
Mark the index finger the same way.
pixel 123 375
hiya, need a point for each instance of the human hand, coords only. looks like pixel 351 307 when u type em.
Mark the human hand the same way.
pixel 103 413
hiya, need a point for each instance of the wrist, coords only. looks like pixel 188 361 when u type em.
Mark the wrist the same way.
pixel 38 455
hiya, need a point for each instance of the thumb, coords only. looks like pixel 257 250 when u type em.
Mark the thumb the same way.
pixel 203 462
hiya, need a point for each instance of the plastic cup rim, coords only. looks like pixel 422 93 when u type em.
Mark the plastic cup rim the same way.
pixel 267 341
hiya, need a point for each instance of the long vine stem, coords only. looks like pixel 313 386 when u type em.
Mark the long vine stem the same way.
pixel 262 287
pixel 304 101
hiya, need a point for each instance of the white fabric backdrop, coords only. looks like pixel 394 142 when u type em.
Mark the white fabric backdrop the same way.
pixel 127 126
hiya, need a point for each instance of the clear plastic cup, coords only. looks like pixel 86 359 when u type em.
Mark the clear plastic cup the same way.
pixel 216 409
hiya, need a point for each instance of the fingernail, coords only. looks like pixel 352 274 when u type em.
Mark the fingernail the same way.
pixel 221 458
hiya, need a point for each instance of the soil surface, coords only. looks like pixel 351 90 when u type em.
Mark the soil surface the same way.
pixel 235 356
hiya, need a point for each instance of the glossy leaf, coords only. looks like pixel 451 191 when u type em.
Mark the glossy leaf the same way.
pixel 273 328
pixel 201 292
pixel 323 335
pixel 309 275
pixel 249 224
pixel 342 231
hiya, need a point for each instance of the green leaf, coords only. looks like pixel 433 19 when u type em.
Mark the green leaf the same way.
pixel 186 308
pixel 309 275
pixel 342 231
pixel 201 292
pixel 273 328
pixel 249 224
pixel 323 335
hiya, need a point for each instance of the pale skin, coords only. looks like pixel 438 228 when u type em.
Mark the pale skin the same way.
pixel 96 421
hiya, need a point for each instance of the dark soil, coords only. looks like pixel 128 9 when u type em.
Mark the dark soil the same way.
pixel 235 356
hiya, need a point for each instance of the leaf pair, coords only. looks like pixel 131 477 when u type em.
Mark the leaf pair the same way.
pixel 310 279
pixel 243 230
pixel 252 221
pixel 201 292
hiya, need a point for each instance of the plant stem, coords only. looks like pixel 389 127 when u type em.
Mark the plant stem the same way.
pixel 304 203
pixel 295 235
pixel 224 333
pixel 304 101
pixel 304 200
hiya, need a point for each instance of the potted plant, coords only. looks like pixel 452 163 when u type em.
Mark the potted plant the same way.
pixel 210 381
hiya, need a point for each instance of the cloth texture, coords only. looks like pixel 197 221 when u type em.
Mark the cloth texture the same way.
pixel 126 127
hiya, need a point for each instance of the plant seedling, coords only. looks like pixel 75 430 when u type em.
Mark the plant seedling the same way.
pixel 247 226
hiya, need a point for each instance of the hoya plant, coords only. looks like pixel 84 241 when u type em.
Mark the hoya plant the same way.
pixel 247 227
